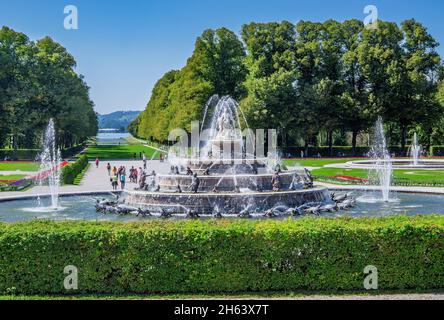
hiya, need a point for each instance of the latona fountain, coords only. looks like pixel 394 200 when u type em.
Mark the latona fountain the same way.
pixel 225 176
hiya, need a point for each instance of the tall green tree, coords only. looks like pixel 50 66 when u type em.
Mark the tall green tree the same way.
pixel 38 82
pixel 272 77
pixel 216 67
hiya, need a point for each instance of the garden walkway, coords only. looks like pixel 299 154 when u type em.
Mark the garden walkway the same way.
pixel 96 180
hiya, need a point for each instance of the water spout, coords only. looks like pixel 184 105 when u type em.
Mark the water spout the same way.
pixel 50 163
pixel 415 150
pixel 382 161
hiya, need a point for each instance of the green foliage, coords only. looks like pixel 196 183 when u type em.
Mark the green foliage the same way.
pixel 20 154
pixel 38 82
pixel 222 256
pixel 71 171
pixel 178 97
pixel 307 79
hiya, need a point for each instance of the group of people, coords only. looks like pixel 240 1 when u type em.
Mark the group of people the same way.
pixel 117 175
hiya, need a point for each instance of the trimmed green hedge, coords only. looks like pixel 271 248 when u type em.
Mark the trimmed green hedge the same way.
pixel 32 154
pixel 338 151
pixel 71 171
pixel 22 154
pixel 222 256
pixel 70 152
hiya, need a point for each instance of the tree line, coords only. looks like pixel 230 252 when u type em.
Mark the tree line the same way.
pixel 314 82
pixel 38 82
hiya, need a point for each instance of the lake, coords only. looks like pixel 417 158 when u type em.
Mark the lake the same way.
pixel 112 137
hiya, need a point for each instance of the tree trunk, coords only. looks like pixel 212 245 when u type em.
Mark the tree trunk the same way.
pixel 403 139
pixel 354 141
pixel 14 145
pixel 330 142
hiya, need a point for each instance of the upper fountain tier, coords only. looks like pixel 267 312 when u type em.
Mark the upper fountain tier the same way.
pixel 222 136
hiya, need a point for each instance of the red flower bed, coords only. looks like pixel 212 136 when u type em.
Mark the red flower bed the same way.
pixel 349 178
pixel 43 175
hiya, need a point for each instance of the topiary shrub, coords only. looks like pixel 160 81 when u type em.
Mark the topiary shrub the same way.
pixel 222 256
pixel 70 172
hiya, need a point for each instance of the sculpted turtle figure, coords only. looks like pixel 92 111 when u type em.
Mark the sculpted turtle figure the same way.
pixel 276 182
pixel 195 182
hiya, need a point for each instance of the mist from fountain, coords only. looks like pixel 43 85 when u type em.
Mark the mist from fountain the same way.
pixel 382 167
pixel 415 150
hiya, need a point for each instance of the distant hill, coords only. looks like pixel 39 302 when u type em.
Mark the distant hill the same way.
pixel 117 120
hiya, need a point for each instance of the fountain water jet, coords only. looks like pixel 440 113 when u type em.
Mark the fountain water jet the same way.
pixel 50 163
pixel 382 165
pixel 415 150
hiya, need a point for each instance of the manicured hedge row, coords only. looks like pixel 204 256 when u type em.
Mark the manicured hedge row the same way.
pixel 222 256
pixel 70 152
pixel 437 151
pixel 22 154
pixel 70 172
pixel 32 154
pixel 337 151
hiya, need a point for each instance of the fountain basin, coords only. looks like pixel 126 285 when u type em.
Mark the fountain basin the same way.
pixel 229 203
pixel 226 182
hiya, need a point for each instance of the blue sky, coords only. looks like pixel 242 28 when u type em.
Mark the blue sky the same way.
pixel 123 47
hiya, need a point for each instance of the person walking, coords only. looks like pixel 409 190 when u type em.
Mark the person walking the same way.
pixel 122 180
pixel 97 162
pixel 115 182
pixel 115 170
pixel 108 167
pixel 144 160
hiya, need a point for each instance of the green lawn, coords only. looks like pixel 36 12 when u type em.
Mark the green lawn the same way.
pixel 120 151
pixel 318 162
pixel 415 177
pixel 12 176
pixel 22 166
pixel 407 176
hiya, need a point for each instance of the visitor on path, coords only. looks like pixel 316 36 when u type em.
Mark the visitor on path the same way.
pixel 97 162
pixel 108 167
pixel 144 162
pixel 115 170
pixel 122 181
pixel 115 182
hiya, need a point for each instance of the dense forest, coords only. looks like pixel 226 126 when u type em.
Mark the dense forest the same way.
pixel 317 83
pixel 38 82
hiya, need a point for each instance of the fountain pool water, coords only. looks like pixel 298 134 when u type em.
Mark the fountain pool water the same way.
pixel 81 208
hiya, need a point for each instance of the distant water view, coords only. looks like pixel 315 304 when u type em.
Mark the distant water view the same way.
pixel 112 137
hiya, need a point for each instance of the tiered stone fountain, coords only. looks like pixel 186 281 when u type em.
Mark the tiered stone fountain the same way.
pixel 224 178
